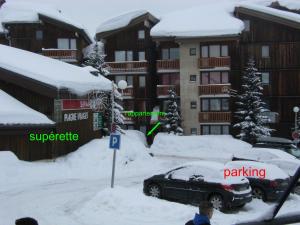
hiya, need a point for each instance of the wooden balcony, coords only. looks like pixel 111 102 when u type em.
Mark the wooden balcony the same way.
pixel 171 65
pixel 215 117
pixel 128 92
pixel 128 119
pixel 213 62
pixel 128 67
pixel 162 91
pixel 214 89
pixel 67 55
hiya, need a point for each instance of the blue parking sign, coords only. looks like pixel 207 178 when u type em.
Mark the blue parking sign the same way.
pixel 114 141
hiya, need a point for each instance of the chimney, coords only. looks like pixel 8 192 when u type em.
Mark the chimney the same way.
pixel 2 2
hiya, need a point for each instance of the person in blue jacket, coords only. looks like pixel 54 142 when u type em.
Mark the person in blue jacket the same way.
pixel 205 214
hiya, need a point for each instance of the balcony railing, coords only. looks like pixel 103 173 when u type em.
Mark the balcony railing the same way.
pixel 163 90
pixel 213 62
pixel 214 117
pixel 68 55
pixel 128 92
pixel 128 67
pixel 214 89
pixel 171 65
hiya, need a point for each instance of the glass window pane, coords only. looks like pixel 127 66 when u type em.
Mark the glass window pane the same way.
pixel 247 25
pixel 205 105
pixel 118 78
pixel 63 43
pixel 73 43
pixel 226 129
pixel 193 78
pixel 205 130
pixel 142 81
pixel 165 53
pixel 215 105
pixel 214 51
pixel 265 78
pixel 204 51
pixel 193 51
pixel 224 50
pixel 265 51
pixel 215 129
pixel 225 104
pixel 130 80
pixel 193 105
pixel 39 35
pixel 215 78
pixel 194 131
pixel 120 56
pixel 225 77
pixel 204 78
pixel 141 56
pixel 129 56
pixel 174 79
pixel 174 53
pixel 141 34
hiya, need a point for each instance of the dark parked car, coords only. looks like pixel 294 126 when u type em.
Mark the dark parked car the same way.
pixel 278 143
pixel 200 181
pixel 267 181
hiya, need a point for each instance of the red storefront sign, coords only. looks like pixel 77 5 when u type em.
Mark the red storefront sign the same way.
pixel 75 104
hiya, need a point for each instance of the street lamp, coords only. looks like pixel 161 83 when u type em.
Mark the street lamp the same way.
pixel 296 110
pixel 122 84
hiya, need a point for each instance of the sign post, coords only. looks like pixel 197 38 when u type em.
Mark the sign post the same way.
pixel 114 143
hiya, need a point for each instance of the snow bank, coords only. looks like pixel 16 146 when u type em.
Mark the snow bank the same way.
pixel 205 20
pixel 120 21
pixel 16 112
pixel 51 71
pixel 208 147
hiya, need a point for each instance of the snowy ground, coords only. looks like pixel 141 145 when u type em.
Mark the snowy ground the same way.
pixel 75 190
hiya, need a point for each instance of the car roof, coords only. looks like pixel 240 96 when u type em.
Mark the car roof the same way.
pixel 274 140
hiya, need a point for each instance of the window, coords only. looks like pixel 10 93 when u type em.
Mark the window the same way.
pixel 141 34
pixel 193 51
pixel 193 131
pixel 193 78
pixel 214 51
pixel 215 104
pixel 225 78
pixel 205 130
pixel 120 56
pixel 247 25
pixel 141 56
pixel 224 50
pixel 214 77
pixel 205 78
pixel 129 80
pixel 165 53
pixel 214 129
pixel 193 105
pixel 174 53
pixel 265 51
pixel 39 35
pixel 265 78
pixel 65 43
pixel 142 81
pixel 204 51
pixel 129 55
pixel 119 78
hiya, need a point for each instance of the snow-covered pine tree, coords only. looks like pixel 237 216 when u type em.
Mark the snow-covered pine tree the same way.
pixel 96 60
pixel 173 119
pixel 250 106
pixel 117 109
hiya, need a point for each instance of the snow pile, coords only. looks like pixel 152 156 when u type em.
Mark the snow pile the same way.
pixel 15 112
pixel 209 147
pixel 275 12
pixel 51 71
pixel 203 21
pixel 120 21
pixel 21 12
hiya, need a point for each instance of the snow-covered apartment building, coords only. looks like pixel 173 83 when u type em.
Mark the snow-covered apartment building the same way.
pixel 201 53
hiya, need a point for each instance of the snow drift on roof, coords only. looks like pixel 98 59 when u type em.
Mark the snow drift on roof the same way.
pixel 120 21
pixel 14 112
pixel 290 4
pixel 204 21
pixel 274 12
pixel 29 12
pixel 51 71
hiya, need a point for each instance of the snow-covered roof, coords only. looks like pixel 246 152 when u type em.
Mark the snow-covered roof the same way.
pixel 290 4
pixel 51 71
pixel 207 20
pixel 14 112
pixel 271 11
pixel 17 12
pixel 120 21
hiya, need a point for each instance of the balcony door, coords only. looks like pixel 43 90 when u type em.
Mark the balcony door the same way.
pixel 210 51
pixel 66 43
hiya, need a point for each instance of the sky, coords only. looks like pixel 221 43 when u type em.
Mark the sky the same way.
pixel 91 13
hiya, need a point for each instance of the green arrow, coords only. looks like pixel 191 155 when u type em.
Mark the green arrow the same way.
pixel 154 128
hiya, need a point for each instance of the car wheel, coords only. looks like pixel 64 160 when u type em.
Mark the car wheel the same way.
pixel 297 190
pixel 154 191
pixel 258 193
pixel 217 202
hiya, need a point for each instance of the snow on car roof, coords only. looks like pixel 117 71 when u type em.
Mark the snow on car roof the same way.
pixel 51 71
pixel 14 112
pixel 206 20
pixel 119 21
pixel 275 140
pixel 271 171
